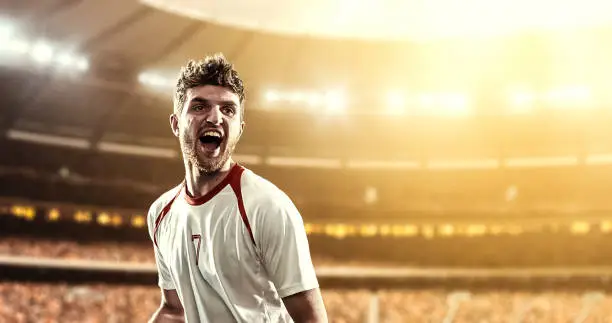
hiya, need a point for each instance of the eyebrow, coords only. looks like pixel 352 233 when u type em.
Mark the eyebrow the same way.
pixel 208 102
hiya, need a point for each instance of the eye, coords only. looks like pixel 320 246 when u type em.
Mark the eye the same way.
pixel 229 110
pixel 197 107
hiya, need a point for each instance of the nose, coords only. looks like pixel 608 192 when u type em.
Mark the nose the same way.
pixel 214 116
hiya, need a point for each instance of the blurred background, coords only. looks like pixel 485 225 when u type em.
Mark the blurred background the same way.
pixel 452 160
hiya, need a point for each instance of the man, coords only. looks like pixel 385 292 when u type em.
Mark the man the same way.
pixel 229 245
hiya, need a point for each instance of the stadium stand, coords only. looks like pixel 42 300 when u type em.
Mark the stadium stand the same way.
pixel 115 303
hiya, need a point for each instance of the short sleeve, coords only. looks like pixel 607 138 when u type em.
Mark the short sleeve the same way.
pixel 164 277
pixel 284 246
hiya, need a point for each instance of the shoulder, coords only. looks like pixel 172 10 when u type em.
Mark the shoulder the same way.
pixel 158 205
pixel 272 214
pixel 260 193
pixel 269 209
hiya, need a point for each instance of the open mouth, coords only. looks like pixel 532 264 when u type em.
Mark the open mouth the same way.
pixel 211 140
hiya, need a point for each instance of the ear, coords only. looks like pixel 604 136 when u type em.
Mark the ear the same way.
pixel 242 124
pixel 174 124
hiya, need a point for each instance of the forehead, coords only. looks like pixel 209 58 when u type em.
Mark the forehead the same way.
pixel 211 93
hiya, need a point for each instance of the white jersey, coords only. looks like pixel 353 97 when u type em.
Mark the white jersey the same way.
pixel 233 254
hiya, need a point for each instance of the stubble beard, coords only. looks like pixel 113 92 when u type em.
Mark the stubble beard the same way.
pixel 206 165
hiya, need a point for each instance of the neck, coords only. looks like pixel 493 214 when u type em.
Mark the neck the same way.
pixel 199 184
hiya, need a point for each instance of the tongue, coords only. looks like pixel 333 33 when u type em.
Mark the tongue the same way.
pixel 210 146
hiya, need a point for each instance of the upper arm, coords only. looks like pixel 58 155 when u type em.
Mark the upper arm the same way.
pixel 164 277
pixel 306 306
pixel 282 240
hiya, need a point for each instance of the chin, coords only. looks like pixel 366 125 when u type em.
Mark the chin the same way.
pixel 211 165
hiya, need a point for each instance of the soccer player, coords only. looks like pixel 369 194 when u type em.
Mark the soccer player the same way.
pixel 229 245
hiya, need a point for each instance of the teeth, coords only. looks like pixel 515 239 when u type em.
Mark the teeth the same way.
pixel 212 134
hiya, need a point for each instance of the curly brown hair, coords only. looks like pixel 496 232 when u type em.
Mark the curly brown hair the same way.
pixel 212 70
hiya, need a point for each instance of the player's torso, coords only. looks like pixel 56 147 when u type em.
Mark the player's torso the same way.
pixel 214 262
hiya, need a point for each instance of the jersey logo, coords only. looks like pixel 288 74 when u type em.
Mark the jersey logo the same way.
pixel 195 237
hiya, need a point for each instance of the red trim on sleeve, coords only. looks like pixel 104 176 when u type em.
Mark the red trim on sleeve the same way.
pixel 165 211
pixel 235 184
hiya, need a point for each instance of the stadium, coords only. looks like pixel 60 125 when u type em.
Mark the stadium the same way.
pixel 452 161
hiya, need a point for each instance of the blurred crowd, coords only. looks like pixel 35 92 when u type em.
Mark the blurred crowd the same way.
pixel 524 251
pixel 104 251
pixel 50 303
pixel 69 302
pixel 69 249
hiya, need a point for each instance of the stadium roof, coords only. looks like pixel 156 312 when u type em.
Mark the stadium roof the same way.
pixel 99 69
